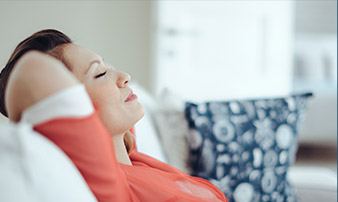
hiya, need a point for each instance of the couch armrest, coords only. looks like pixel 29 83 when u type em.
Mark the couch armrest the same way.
pixel 313 184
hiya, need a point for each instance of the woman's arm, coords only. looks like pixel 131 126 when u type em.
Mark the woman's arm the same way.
pixel 37 78
pixel 34 77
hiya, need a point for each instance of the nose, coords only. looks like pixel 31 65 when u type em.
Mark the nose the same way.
pixel 123 79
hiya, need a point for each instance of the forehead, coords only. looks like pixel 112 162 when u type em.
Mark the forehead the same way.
pixel 79 58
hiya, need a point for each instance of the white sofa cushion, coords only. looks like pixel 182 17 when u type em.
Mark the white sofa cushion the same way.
pixel 34 169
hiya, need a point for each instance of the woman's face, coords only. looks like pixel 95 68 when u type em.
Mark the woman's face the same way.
pixel 108 88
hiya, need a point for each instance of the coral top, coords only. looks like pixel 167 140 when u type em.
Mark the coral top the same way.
pixel 69 120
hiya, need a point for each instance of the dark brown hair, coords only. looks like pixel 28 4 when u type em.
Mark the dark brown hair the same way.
pixel 44 41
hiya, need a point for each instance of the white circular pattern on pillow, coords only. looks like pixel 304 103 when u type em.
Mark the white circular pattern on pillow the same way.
pixel 247 137
pixel 218 109
pixel 219 171
pixel 269 181
pixel 195 139
pixel 261 114
pixel 283 157
pixel 234 147
pixel 244 192
pixel 245 156
pixel 292 118
pixel 284 136
pixel 233 171
pixel 264 133
pixel 257 157
pixel 291 104
pixel 202 121
pixel 202 108
pixel 208 158
pixel 220 147
pixel 265 198
pixel 235 108
pixel 273 114
pixel 224 131
pixel 223 159
pixel 235 158
pixel 267 142
pixel 254 175
pixel 194 113
pixel 270 158
pixel 249 109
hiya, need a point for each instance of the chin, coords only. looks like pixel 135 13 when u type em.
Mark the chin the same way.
pixel 139 114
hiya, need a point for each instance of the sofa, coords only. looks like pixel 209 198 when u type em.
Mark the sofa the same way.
pixel 165 113
pixel 34 169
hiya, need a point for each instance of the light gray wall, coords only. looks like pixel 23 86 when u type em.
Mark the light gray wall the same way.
pixel 117 30
pixel 316 16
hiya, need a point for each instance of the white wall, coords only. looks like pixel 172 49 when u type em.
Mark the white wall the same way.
pixel 224 49
pixel 316 68
pixel 117 30
pixel 318 16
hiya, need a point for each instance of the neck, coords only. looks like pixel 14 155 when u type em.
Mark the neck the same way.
pixel 121 150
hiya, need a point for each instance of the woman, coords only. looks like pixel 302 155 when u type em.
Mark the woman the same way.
pixel 71 96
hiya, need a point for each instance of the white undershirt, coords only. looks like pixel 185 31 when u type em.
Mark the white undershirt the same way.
pixel 70 102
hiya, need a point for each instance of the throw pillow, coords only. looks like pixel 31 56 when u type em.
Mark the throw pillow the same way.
pixel 245 147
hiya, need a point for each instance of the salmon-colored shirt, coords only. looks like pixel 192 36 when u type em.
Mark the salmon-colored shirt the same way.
pixel 76 128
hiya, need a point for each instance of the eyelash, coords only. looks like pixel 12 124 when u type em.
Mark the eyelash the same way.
pixel 99 75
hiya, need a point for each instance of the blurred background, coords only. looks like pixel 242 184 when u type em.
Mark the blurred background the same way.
pixel 206 50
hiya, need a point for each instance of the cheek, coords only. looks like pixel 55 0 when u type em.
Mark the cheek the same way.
pixel 103 95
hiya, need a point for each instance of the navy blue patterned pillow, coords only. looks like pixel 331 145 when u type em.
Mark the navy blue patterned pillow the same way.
pixel 245 147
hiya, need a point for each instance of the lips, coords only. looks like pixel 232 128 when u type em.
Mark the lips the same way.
pixel 130 97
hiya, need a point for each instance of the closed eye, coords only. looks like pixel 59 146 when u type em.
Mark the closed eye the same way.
pixel 99 75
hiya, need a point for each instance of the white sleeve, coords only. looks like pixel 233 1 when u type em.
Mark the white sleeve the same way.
pixel 70 102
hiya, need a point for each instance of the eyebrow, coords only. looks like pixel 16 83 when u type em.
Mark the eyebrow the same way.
pixel 91 63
